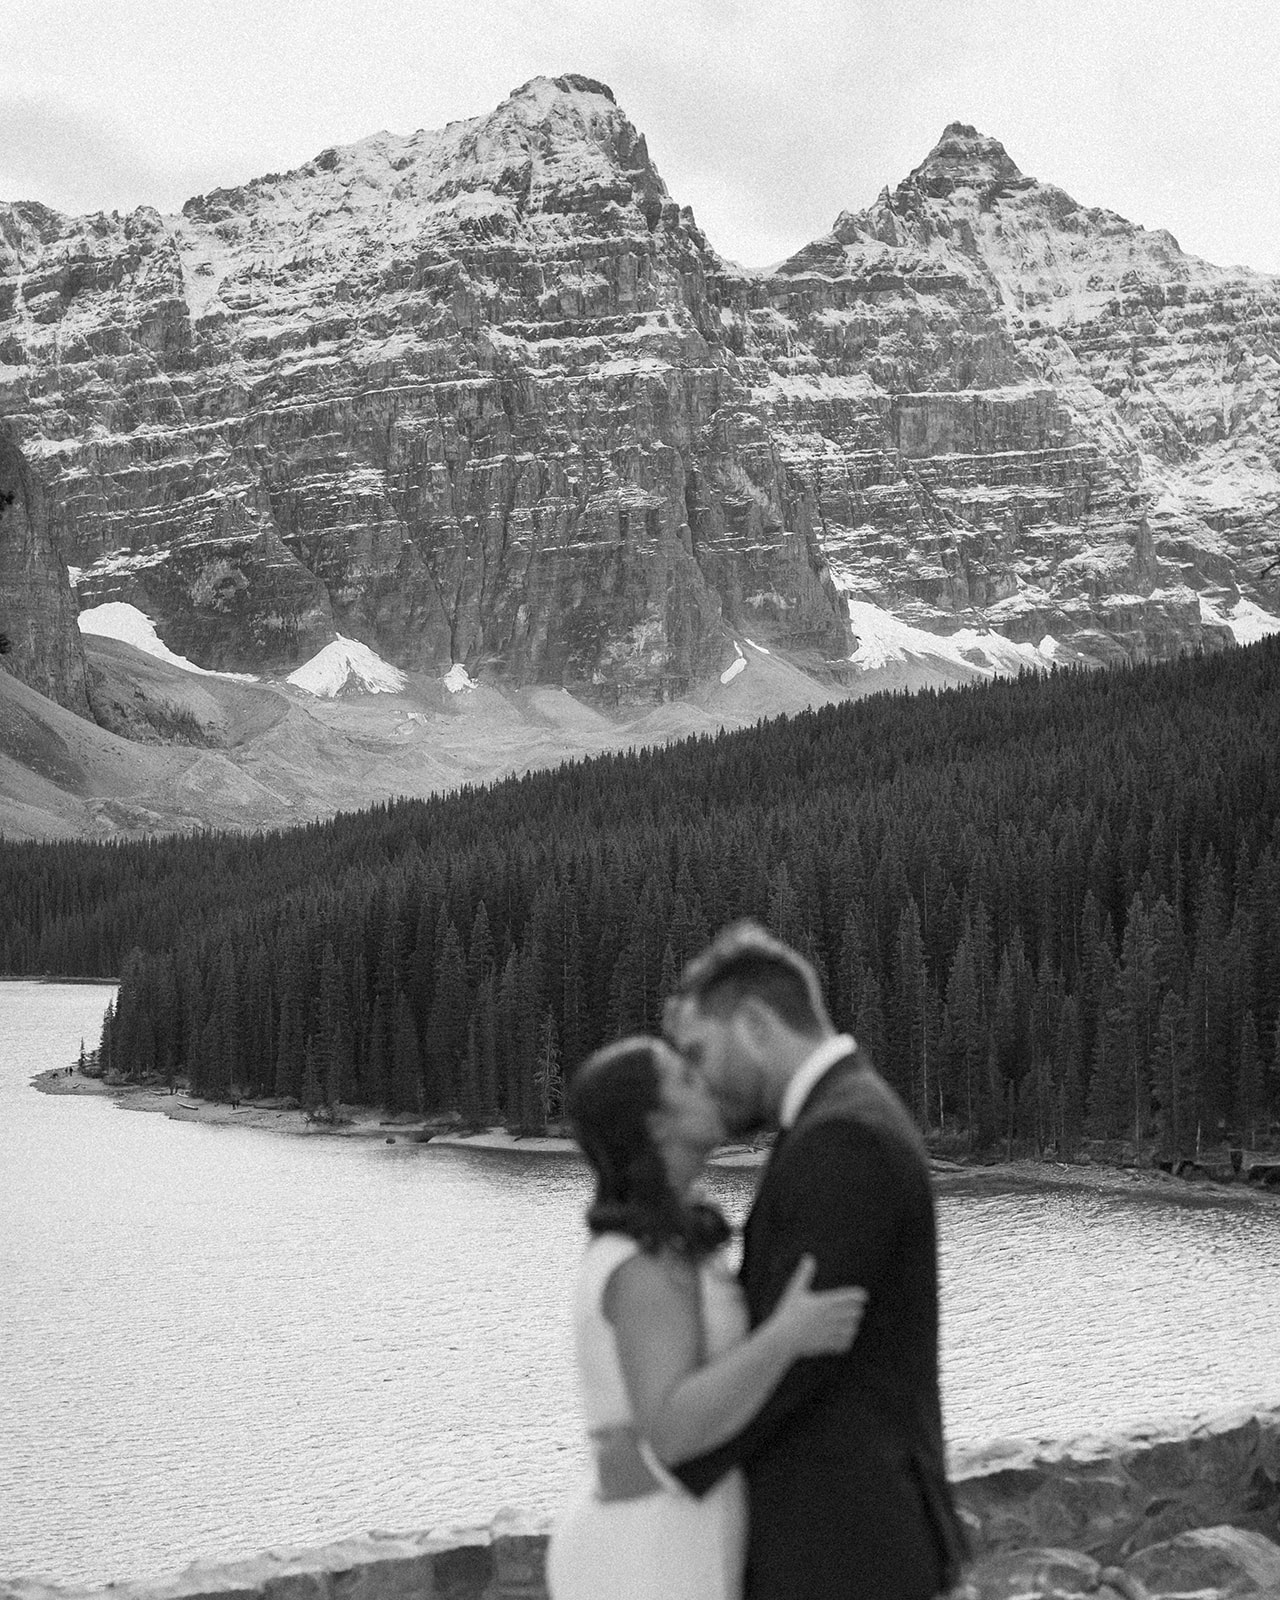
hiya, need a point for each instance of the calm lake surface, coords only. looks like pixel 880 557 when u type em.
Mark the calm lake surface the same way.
pixel 213 1340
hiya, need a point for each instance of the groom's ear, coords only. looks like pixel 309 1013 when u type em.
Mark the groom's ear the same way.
pixel 757 1020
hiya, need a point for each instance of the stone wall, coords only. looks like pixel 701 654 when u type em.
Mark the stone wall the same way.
pixel 1128 1515
pixel 1154 1513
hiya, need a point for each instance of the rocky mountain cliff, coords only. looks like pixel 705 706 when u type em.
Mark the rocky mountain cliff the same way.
pixel 37 607
pixel 462 395
pixel 1009 407
pixel 488 396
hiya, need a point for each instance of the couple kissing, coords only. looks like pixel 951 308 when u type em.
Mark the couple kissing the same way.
pixel 774 1435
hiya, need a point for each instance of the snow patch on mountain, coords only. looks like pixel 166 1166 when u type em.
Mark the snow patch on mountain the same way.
pixel 735 667
pixel 119 620
pixel 884 639
pixel 346 663
pixel 458 678
pixel 1247 621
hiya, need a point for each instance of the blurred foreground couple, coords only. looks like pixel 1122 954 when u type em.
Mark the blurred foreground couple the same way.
pixel 778 1435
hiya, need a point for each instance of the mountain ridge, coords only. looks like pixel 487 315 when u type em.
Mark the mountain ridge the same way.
pixel 487 398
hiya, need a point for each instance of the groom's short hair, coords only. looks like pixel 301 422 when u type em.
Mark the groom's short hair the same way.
pixel 745 962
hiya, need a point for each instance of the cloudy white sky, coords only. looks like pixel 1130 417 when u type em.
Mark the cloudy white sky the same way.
pixel 767 118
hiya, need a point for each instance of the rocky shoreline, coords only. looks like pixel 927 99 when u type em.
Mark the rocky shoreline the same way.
pixel 362 1123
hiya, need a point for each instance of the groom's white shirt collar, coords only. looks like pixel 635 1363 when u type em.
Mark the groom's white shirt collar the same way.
pixel 806 1077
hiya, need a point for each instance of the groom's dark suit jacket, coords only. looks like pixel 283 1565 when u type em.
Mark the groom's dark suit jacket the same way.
pixel 845 1468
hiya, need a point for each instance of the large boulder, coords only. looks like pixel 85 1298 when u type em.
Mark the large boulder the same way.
pixel 1044 1574
pixel 1223 1562
pixel 1111 1497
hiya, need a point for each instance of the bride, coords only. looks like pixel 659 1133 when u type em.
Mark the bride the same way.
pixel 666 1365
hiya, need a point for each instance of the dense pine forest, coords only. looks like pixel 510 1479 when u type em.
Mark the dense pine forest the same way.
pixel 1050 907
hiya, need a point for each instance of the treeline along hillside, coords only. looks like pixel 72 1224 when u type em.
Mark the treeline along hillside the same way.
pixel 1050 908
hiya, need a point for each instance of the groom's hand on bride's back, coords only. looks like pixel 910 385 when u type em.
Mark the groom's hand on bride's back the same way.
pixel 821 1322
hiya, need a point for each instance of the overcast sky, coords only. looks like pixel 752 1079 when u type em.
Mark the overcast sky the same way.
pixel 768 119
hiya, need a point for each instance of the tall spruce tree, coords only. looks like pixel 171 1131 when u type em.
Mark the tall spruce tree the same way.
pixel 406 1089
pixel 1249 1083
pixel 1174 1085
pixel 446 1041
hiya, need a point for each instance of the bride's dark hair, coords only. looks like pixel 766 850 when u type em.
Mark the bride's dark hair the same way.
pixel 611 1096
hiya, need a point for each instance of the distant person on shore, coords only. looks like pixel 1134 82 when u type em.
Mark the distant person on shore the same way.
pixel 667 1368
pixel 844 1464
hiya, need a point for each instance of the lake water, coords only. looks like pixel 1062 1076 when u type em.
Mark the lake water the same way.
pixel 213 1340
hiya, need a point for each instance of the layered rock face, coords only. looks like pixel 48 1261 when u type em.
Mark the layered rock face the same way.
pixel 1010 408
pixel 460 395
pixel 488 396
pixel 37 607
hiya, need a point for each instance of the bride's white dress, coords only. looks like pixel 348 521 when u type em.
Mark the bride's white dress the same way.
pixel 667 1545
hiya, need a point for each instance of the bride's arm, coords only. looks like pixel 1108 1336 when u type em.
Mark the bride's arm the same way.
pixel 682 1407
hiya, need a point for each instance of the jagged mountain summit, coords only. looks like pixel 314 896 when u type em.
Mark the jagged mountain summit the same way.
pixel 1012 406
pixel 461 396
pixel 487 398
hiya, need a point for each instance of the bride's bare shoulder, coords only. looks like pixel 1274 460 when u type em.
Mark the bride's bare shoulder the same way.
pixel 646 1279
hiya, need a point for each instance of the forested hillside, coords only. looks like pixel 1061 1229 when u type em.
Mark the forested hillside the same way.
pixel 1050 907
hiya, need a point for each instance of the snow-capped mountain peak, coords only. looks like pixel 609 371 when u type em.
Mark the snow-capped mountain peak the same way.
pixel 550 149
pixel 487 395
pixel 963 157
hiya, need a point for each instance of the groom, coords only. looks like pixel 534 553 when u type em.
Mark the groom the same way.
pixel 845 1468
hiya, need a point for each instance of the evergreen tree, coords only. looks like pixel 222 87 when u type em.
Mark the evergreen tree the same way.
pixel 850 959
pixel 1174 1086
pixel 871 1031
pixel 1208 1013
pixel 105 1056
pixel 446 1040
pixel 291 1033
pixel 332 1030
pixel 485 1016
pixel 573 995
pixel 509 1040
pixel 312 1078
pixel 1012 1009
pixel 547 1077
pixel 1249 1083
pixel 379 1054
pixel 469 1092
pixel 910 1066
pixel 965 1035
pixel 526 1041
pixel 787 915
pixel 1136 1015
pixel 221 1047
pixel 258 1062
pixel 1069 1079
pixel 480 952
pixel 1109 1104
pixel 406 1063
